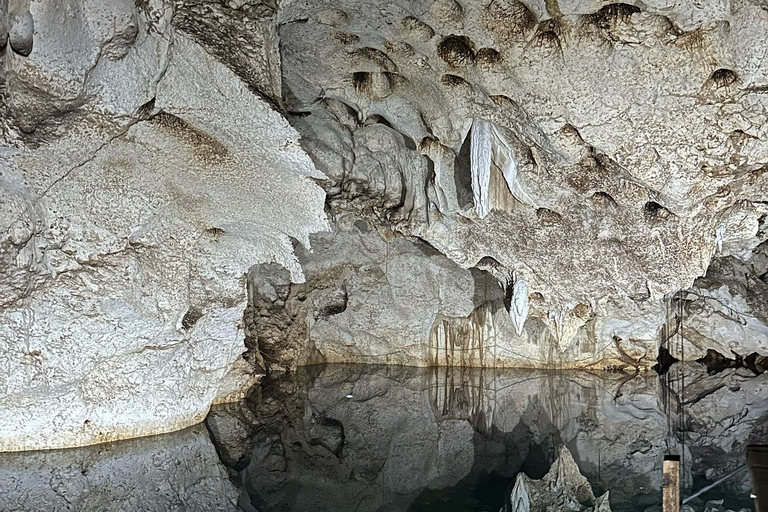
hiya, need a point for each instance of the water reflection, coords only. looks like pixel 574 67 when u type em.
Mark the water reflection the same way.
pixel 356 438
pixel 177 472
pixel 388 438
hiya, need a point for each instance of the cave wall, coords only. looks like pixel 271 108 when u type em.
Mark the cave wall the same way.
pixel 426 182
pixel 140 179
pixel 593 158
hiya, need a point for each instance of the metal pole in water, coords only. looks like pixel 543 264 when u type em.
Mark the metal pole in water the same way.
pixel 671 484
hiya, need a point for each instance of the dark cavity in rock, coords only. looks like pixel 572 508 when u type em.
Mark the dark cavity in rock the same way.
pixel 664 361
pixel 456 51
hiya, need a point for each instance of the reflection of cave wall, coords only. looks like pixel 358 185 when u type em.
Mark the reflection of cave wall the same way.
pixel 177 471
pixel 388 434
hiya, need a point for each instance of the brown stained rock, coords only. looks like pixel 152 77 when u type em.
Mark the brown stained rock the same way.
pixel 456 51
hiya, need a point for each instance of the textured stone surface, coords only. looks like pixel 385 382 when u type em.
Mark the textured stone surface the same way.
pixel 602 154
pixel 727 310
pixel 140 179
pixel 175 472
pixel 562 488
pixel 505 183
pixel 365 298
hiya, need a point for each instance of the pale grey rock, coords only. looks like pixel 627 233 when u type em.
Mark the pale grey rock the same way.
pixel 606 155
pixel 242 34
pixel 141 179
pixel 615 202
pixel 562 488
pixel 727 310
pixel 372 298
pixel 4 23
pixel 20 35
pixel 173 472
pixel 366 298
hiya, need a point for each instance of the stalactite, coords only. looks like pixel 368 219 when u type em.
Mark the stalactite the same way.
pixel 481 166
pixel 518 309
pixel 490 149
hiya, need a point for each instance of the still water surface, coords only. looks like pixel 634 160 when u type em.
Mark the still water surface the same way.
pixel 362 438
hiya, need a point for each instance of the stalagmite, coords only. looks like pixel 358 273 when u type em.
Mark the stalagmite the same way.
pixel 562 488
pixel 519 499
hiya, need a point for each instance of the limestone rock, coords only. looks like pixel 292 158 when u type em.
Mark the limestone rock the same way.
pixel 507 183
pixel 140 180
pixel 373 299
pixel 562 488
pixel 727 310
pixel 571 153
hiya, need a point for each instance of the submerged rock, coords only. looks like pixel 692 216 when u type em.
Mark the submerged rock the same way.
pixel 172 472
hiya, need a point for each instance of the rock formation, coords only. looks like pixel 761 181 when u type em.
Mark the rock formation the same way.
pixel 563 488
pixel 593 152
pixel 423 182
pixel 140 180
